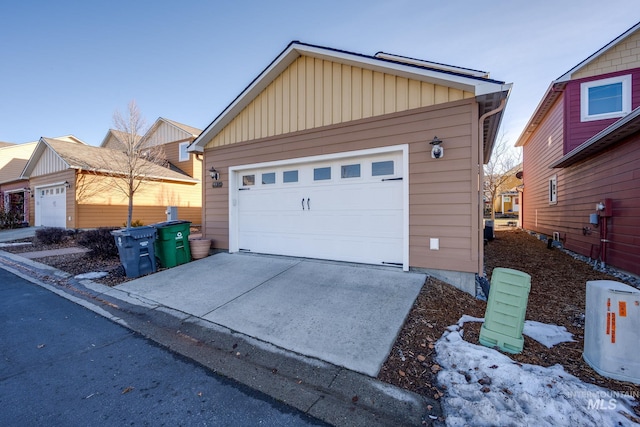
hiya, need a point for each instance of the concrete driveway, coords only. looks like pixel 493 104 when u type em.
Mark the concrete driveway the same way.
pixel 345 314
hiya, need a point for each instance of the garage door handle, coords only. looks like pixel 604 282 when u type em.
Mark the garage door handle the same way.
pixel 303 203
pixel 308 205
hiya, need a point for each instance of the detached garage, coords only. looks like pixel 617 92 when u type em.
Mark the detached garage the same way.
pixel 328 154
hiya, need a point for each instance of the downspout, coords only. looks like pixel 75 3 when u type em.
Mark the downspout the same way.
pixel 481 120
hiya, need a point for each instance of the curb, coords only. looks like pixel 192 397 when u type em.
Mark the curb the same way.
pixel 330 393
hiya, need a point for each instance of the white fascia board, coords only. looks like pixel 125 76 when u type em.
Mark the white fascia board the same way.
pixel 485 88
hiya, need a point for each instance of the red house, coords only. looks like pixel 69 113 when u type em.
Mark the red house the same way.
pixel 581 157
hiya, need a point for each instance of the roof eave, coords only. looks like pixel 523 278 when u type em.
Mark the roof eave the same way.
pixel 552 94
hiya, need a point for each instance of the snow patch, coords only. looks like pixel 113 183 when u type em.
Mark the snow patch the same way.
pixel 92 275
pixel 547 335
pixel 486 388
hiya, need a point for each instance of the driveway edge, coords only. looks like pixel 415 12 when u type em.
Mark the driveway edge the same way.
pixel 330 393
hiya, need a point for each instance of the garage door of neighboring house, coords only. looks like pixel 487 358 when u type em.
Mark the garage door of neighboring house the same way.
pixel 51 206
pixel 346 208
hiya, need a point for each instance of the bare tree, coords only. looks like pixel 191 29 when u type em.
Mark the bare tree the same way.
pixel 499 170
pixel 136 162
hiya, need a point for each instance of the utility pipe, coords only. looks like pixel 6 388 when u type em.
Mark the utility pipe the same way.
pixel 481 120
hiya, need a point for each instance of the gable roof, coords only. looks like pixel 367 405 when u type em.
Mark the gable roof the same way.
pixel 557 86
pixel 489 93
pixel 193 131
pixel 119 135
pixel 96 159
pixel 13 159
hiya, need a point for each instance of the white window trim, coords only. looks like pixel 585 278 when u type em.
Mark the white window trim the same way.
pixel 553 194
pixel 182 158
pixel 626 98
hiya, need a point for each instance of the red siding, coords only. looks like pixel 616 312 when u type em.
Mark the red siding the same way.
pixel 613 173
pixel 577 132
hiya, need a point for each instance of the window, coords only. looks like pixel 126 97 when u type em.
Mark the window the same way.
pixel 248 180
pixel 553 190
pixel 350 171
pixel 290 176
pixel 382 168
pixel 320 174
pixel 506 199
pixel 269 178
pixel 183 155
pixel 605 99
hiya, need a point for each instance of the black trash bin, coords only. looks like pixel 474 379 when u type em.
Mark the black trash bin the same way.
pixel 136 250
pixel 488 229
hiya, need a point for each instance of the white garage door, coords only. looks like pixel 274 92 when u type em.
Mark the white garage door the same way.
pixel 348 209
pixel 51 206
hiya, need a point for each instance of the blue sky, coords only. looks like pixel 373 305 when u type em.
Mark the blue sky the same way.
pixel 66 66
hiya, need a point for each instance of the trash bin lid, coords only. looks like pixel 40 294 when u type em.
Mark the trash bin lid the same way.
pixel 169 223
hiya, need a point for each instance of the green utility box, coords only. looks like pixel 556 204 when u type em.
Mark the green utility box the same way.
pixel 136 250
pixel 506 308
pixel 172 243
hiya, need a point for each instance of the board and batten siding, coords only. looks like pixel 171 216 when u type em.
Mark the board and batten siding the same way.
pixel 313 93
pixel 443 193
pixel 544 147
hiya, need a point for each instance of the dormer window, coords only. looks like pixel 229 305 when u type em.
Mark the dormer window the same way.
pixel 605 99
pixel 183 153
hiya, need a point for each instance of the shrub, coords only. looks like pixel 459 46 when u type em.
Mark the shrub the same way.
pixel 10 219
pixel 51 235
pixel 134 223
pixel 100 242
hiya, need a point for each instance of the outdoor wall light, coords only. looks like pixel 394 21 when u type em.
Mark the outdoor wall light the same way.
pixel 215 175
pixel 436 151
pixel 67 185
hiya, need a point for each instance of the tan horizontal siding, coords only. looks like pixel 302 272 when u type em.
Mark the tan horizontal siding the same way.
pixel 312 93
pixel 443 193
pixel 94 216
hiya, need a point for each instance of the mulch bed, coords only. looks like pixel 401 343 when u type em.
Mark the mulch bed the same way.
pixel 558 293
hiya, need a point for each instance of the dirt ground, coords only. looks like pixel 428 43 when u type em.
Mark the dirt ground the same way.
pixel 558 291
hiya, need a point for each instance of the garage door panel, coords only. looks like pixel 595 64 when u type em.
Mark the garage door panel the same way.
pixel 51 206
pixel 356 219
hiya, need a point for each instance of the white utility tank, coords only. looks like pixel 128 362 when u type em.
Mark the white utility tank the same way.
pixel 612 330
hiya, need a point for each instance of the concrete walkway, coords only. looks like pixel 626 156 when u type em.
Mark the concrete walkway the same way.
pixel 17 234
pixel 345 314
pixel 53 252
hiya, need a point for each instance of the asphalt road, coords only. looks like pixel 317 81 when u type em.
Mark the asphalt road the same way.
pixel 61 364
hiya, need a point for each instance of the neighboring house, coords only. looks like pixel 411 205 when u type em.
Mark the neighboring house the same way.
pixel 72 186
pixel 507 197
pixel 14 189
pixel 5 144
pixel 582 148
pixel 327 154
pixel 174 138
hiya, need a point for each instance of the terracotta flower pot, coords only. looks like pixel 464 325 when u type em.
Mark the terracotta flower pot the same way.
pixel 199 248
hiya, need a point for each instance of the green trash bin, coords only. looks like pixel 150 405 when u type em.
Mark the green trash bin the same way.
pixel 172 243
